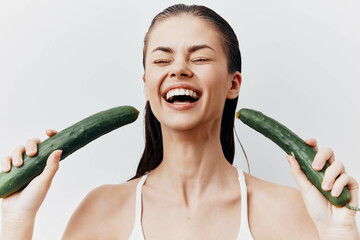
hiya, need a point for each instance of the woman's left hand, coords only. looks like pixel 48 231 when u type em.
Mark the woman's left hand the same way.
pixel 331 222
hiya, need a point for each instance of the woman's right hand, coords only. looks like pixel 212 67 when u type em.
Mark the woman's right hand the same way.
pixel 25 203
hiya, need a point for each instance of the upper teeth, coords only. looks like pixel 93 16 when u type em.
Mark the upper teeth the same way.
pixel 181 91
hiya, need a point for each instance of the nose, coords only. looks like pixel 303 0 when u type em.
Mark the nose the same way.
pixel 180 69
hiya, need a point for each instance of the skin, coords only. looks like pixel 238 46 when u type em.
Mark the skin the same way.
pixel 194 183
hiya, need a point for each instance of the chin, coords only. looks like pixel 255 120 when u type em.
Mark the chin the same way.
pixel 180 124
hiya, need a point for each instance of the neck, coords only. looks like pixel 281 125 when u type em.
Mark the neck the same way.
pixel 193 166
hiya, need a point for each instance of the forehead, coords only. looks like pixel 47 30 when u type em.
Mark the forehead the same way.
pixel 184 30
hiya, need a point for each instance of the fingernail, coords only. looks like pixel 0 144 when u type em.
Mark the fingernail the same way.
pixel 316 165
pixel 58 154
pixel 32 150
pixel 7 168
pixel 335 193
pixel 17 161
pixel 326 186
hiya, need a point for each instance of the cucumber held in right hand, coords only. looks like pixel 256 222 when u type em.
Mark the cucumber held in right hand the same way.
pixel 69 140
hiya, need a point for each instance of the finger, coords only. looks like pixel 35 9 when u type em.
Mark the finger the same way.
pixel 50 132
pixel 322 156
pixel 52 165
pixel 31 146
pixel 6 164
pixel 353 187
pixel 299 176
pixel 312 142
pixel 331 173
pixel 17 159
pixel 339 185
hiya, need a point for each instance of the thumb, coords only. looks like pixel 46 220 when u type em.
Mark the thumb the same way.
pixel 52 165
pixel 34 194
pixel 300 178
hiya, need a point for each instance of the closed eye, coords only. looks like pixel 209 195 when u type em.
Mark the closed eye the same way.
pixel 161 61
pixel 201 59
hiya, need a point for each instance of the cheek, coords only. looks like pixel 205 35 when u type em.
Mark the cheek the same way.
pixel 149 79
pixel 216 82
pixel 152 85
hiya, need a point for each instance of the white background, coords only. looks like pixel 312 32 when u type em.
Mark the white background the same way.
pixel 61 61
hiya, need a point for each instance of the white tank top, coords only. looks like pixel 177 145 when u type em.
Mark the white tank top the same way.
pixel 244 232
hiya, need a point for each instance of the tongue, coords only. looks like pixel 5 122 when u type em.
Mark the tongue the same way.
pixel 181 102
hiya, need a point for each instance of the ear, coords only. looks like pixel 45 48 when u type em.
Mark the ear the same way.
pixel 143 77
pixel 234 85
pixel 145 88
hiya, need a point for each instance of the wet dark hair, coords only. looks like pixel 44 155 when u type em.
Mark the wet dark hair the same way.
pixel 153 152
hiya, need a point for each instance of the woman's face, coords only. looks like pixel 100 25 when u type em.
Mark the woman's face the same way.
pixel 186 77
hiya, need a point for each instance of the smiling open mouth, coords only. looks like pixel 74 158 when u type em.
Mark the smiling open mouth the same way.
pixel 181 96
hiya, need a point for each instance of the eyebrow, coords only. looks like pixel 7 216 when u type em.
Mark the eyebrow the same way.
pixel 163 49
pixel 198 47
pixel 190 49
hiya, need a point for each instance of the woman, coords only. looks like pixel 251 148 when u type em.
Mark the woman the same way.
pixel 185 186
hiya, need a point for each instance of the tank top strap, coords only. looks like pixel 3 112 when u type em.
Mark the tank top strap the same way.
pixel 137 233
pixel 139 200
pixel 244 232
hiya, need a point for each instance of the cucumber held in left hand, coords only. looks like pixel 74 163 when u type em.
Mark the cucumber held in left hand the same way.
pixel 295 146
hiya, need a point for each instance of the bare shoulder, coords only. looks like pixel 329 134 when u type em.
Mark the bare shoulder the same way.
pixel 107 212
pixel 278 211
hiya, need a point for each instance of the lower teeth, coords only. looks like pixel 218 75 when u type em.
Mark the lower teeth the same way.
pixel 178 102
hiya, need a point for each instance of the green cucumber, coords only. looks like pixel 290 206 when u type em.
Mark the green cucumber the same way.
pixel 295 146
pixel 68 140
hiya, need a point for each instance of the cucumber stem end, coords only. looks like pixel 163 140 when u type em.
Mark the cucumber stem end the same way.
pixel 352 208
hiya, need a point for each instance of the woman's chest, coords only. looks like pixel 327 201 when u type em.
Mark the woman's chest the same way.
pixel 215 220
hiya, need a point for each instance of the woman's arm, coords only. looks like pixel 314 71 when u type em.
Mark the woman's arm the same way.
pixel 331 222
pixel 19 209
pixel 11 230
